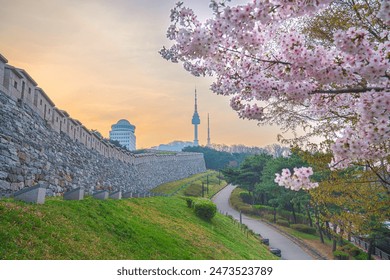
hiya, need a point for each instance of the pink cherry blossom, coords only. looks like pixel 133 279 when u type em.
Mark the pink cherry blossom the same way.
pixel 297 181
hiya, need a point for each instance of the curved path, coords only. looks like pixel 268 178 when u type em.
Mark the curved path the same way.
pixel 290 250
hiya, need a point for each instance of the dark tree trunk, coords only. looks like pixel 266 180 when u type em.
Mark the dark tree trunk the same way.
pixel 320 231
pixel 293 212
pixel 334 244
pixel 308 215
pixel 341 240
pixel 274 214
pixel 370 248
pixel 319 225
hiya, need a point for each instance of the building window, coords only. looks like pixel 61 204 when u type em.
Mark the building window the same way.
pixel 40 102
pixel 15 84
pixel 57 119
pixel 29 90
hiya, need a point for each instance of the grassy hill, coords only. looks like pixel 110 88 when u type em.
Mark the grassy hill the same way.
pixel 138 228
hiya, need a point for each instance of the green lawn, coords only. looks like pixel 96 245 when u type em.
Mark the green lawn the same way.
pixel 138 228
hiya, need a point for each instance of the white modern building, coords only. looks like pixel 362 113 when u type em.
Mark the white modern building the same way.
pixel 123 131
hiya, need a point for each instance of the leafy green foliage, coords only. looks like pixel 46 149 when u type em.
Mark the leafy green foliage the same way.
pixel 282 222
pixel 217 160
pixel 304 228
pixel 190 202
pixel 205 209
pixel 117 143
pixel 340 255
pixel 237 203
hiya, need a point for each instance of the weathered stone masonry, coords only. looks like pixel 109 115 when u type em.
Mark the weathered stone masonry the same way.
pixel 59 153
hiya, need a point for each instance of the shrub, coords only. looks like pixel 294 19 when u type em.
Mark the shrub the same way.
pixel 340 255
pixel 263 209
pixel 246 209
pixel 205 209
pixel 189 202
pixel 350 249
pixel 304 228
pixel 355 252
pixel 246 197
pixel 361 256
pixel 269 217
pixel 282 222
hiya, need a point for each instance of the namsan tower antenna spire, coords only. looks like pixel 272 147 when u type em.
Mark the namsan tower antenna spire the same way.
pixel 196 121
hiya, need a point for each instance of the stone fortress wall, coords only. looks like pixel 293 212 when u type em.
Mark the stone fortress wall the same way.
pixel 41 144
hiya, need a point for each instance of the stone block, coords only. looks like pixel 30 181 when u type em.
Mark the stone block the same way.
pixel 128 195
pixel 35 194
pixel 75 194
pixel 17 186
pixel 3 175
pixel 116 195
pixel 4 185
pixel 102 195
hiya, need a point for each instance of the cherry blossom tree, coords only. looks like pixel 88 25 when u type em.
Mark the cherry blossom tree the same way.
pixel 260 55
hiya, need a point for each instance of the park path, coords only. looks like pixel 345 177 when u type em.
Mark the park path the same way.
pixel 290 250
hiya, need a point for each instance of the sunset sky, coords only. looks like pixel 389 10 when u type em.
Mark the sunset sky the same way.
pixel 99 61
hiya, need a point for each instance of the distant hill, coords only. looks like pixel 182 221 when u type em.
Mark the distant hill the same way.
pixel 176 146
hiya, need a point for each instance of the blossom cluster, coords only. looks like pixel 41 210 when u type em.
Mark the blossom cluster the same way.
pixel 296 181
pixel 365 140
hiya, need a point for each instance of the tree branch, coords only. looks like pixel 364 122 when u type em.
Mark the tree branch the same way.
pixel 255 58
pixel 348 90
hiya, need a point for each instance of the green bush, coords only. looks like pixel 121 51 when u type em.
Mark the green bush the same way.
pixel 246 197
pixel 355 252
pixel 340 255
pixel 361 256
pixel 304 228
pixel 352 250
pixel 246 209
pixel 189 202
pixel 282 222
pixel 264 207
pixel 269 217
pixel 205 209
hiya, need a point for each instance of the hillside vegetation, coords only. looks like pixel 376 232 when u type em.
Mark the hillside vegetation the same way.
pixel 138 228
pixel 192 186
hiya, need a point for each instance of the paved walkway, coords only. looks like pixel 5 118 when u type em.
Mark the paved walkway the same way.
pixel 290 250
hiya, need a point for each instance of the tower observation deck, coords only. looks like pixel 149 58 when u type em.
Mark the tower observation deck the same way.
pixel 196 121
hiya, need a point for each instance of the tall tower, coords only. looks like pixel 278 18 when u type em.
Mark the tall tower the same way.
pixel 208 130
pixel 196 121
